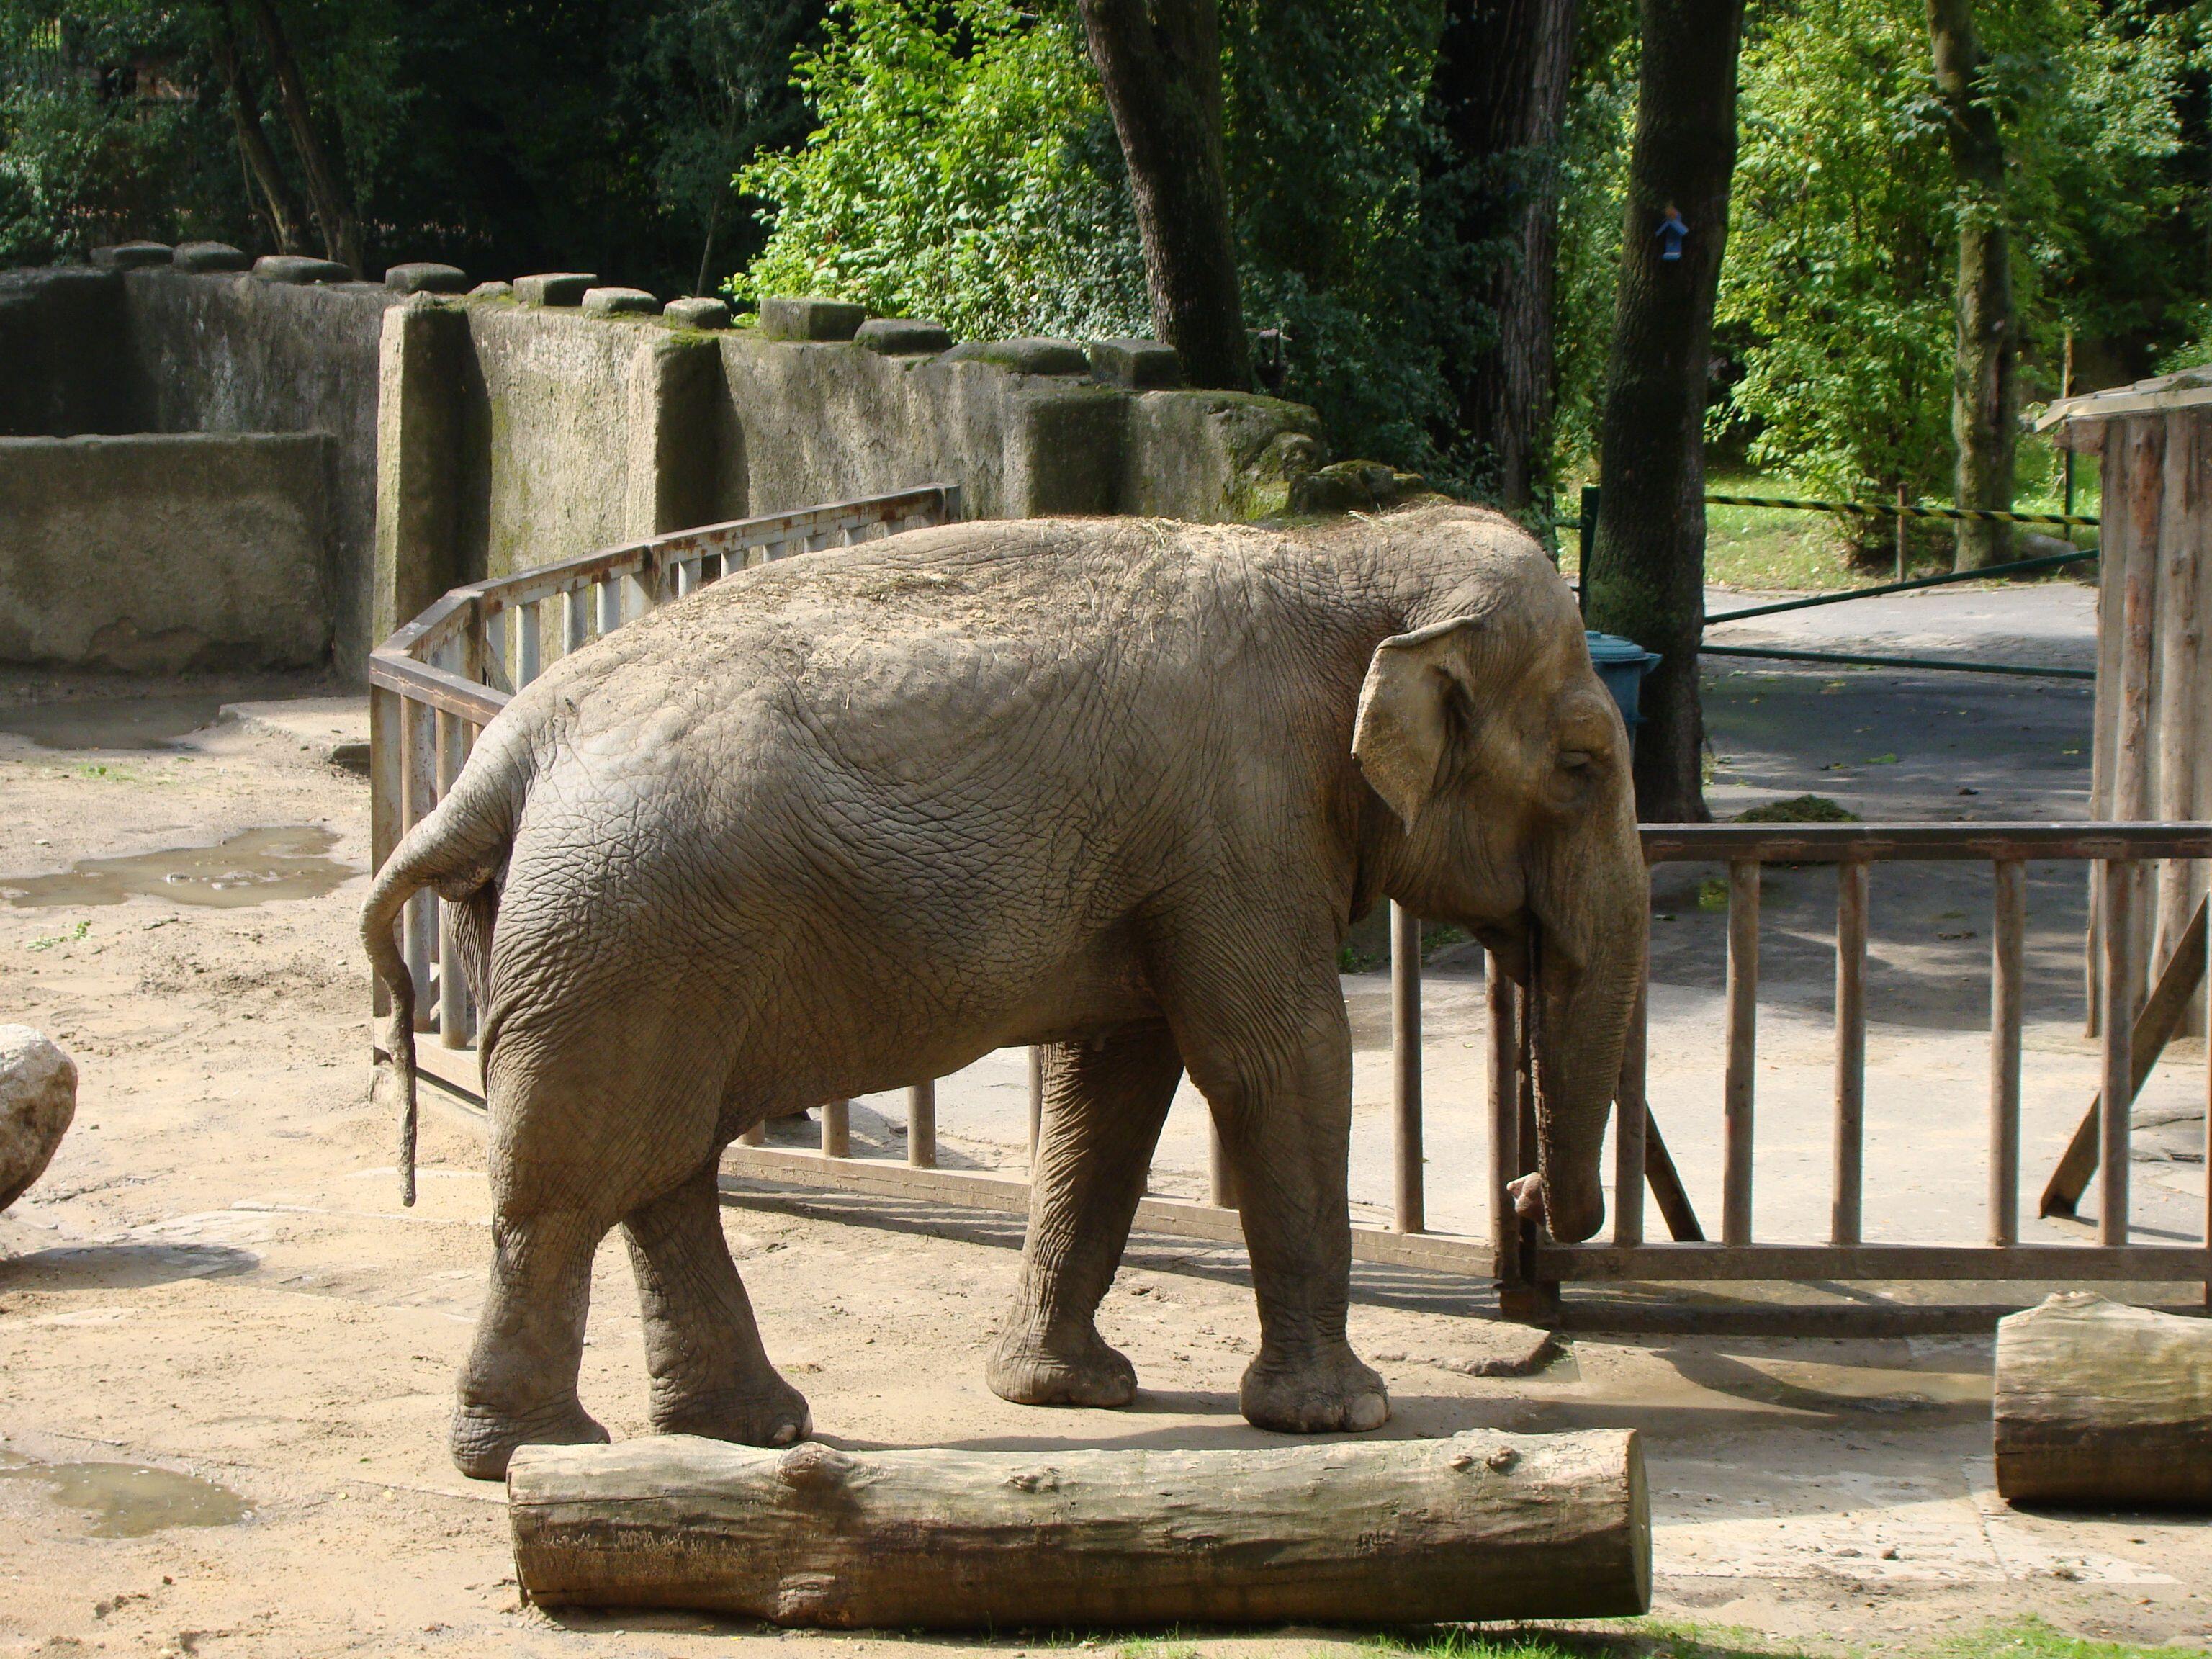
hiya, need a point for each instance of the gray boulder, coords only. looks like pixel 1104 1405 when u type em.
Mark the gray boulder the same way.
pixel 38 1098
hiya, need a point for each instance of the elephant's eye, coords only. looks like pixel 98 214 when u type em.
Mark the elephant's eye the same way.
pixel 1575 760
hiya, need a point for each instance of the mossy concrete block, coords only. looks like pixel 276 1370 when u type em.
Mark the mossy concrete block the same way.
pixel 426 277
pixel 1146 365
pixel 1354 487
pixel 619 302
pixel 904 337
pixel 295 269
pixel 492 291
pixel 201 258
pixel 1211 454
pixel 132 256
pixel 555 287
pixel 699 311
pixel 1024 357
pixel 783 318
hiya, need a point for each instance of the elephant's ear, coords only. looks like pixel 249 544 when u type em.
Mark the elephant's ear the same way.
pixel 1399 740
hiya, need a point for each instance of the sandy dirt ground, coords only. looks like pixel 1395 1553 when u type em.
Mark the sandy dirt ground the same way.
pixel 227 1354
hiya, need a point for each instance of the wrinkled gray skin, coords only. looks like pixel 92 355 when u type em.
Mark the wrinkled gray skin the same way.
pixel 850 821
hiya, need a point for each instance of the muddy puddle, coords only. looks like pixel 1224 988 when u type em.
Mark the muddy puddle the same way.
pixel 129 1500
pixel 255 866
pixel 111 722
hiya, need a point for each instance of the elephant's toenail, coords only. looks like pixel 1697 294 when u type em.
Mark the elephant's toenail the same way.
pixel 1370 1411
pixel 785 1435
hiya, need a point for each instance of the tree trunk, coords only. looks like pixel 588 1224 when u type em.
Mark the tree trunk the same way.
pixel 279 210
pixel 1480 1525
pixel 333 217
pixel 1500 92
pixel 1984 402
pixel 2103 1405
pixel 1643 572
pixel 1160 64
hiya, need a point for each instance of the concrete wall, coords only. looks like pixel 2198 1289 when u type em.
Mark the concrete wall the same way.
pixel 471 437
pixel 155 554
pixel 65 364
pixel 232 354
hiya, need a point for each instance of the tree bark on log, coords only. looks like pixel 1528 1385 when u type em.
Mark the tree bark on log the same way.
pixel 1480 1525
pixel 1643 573
pixel 1159 62
pixel 1984 401
pixel 1500 92
pixel 2103 1405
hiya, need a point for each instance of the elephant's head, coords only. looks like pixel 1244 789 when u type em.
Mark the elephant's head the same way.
pixel 1491 737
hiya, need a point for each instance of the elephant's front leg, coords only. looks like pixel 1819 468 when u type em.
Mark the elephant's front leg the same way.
pixel 1272 1055
pixel 710 1374
pixel 1104 1104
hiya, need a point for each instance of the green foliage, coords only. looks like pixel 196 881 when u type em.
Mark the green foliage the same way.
pixel 1601 121
pixel 1838 287
pixel 960 171
pixel 963 167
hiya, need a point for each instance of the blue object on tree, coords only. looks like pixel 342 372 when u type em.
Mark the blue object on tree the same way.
pixel 1671 231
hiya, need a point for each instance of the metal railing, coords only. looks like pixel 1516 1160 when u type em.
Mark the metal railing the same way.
pixel 440 680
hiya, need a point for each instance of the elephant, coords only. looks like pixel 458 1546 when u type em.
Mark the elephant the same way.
pixel 851 820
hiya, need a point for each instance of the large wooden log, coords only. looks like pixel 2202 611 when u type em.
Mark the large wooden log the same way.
pixel 2103 1405
pixel 1480 1525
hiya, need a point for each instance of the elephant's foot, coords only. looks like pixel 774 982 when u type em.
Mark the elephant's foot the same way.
pixel 767 1414
pixel 1315 1395
pixel 484 1439
pixel 1064 1365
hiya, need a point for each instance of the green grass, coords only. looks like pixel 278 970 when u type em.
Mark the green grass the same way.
pixel 1769 549
pixel 2026 1638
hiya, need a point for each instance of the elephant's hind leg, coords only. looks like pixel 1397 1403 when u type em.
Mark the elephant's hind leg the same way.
pixel 710 1374
pixel 519 1388
pixel 1104 1104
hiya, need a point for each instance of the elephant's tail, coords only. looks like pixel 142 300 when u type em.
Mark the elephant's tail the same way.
pixel 459 849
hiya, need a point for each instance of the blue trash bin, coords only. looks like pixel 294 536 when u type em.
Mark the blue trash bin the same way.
pixel 1622 664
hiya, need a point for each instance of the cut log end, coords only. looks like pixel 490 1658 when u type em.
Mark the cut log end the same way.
pixel 2101 1406
pixel 1482 1525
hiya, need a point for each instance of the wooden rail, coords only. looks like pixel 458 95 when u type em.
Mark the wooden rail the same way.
pixel 440 680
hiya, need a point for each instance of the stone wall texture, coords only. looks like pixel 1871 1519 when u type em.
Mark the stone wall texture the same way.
pixel 154 554
pixel 474 436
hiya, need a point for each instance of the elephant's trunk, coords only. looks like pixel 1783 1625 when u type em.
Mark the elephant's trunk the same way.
pixel 1590 951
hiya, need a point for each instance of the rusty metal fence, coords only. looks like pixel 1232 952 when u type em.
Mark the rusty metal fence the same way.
pixel 439 680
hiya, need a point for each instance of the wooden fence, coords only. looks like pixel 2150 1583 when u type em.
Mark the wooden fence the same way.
pixel 441 678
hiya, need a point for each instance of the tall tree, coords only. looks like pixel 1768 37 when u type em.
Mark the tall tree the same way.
pixel 1500 91
pixel 278 207
pixel 1984 404
pixel 1644 573
pixel 1159 64
pixel 326 187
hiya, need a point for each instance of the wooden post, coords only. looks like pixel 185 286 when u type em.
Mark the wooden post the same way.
pixel 1900 532
pixel 836 1129
pixel 1633 1116
pixel 1480 1525
pixel 2117 1082
pixel 2008 1012
pixel 921 1126
pixel 1846 1199
pixel 611 605
pixel 2184 528
pixel 418 779
pixel 1411 1215
pixel 454 1023
pixel 1739 1089
pixel 1499 1002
